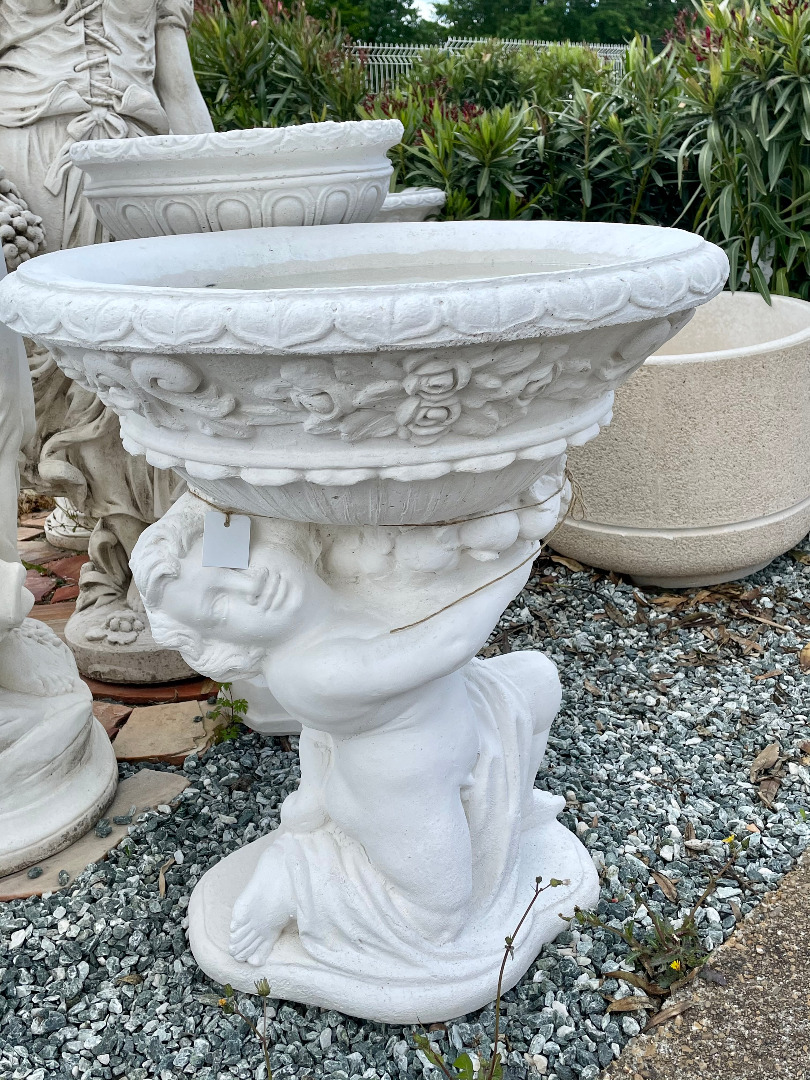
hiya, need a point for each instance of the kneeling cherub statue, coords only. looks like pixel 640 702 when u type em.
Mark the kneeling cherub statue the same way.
pixel 416 832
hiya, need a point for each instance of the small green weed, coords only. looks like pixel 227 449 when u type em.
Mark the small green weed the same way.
pixel 230 1007
pixel 462 1068
pixel 670 956
pixel 228 710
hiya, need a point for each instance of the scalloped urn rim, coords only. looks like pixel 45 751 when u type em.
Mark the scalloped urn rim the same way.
pixel 122 296
pixel 344 137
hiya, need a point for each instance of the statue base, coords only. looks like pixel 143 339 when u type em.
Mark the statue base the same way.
pixel 438 984
pixel 66 528
pixel 112 643
pixel 58 771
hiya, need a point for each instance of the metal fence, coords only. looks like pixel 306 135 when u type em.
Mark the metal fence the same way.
pixel 384 64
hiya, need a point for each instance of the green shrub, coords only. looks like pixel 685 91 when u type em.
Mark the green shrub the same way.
pixel 259 65
pixel 613 155
pixel 745 74
pixel 491 74
pixel 479 157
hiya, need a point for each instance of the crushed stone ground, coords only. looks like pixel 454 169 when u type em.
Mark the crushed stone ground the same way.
pixel 668 700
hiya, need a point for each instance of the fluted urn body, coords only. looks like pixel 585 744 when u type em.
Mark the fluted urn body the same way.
pixel 391 408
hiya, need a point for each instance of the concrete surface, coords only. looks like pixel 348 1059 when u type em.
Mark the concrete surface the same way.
pixel 757 1025
pixel 704 473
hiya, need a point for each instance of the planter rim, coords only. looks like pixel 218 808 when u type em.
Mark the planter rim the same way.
pixel 741 352
pixel 345 136
pixel 113 295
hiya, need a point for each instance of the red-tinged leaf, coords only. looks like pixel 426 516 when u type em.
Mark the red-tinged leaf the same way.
pixel 804 657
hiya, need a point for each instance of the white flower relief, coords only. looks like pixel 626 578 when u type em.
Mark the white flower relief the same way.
pixel 359 397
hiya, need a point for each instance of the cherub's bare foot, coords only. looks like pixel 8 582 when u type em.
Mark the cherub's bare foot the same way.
pixel 263 910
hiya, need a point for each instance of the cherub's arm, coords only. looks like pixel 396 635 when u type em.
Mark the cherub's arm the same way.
pixel 175 84
pixel 367 669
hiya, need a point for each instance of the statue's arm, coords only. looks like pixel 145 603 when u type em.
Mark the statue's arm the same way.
pixel 366 669
pixel 175 84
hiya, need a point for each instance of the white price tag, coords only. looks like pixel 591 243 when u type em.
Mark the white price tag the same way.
pixel 226 545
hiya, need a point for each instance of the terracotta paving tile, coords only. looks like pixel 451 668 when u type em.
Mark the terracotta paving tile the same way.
pixel 36 518
pixel 111 716
pixel 138 694
pixel 146 790
pixel 167 733
pixel 65 592
pixel 55 615
pixel 68 568
pixel 38 552
pixel 41 585
pixel 26 532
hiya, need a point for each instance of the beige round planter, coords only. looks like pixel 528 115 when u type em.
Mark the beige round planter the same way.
pixel 704 474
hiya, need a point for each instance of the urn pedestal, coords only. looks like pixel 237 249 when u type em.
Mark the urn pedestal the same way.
pixel 391 408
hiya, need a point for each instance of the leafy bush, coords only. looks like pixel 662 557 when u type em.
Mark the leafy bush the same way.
pixel 259 65
pixel 490 74
pixel 477 156
pixel 712 133
pixel 745 76
pixel 613 156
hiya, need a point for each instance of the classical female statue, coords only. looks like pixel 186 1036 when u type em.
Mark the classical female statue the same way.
pixel 73 70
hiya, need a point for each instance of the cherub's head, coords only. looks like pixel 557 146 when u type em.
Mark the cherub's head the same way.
pixel 223 622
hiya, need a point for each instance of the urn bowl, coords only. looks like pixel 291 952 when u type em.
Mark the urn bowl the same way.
pixel 364 374
pixel 311 174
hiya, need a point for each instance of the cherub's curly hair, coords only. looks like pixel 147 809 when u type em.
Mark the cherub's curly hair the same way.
pixel 157 560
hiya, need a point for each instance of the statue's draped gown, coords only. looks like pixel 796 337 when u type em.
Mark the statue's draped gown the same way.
pixel 72 70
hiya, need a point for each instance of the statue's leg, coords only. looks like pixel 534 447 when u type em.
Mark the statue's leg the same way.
pixel 537 678
pixel 398 793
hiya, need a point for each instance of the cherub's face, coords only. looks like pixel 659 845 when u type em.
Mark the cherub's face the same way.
pixel 241 607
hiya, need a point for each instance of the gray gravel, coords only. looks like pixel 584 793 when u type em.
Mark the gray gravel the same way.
pixel 98 981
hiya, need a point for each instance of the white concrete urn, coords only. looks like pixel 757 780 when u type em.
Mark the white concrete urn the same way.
pixel 704 476
pixel 309 174
pixel 391 410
